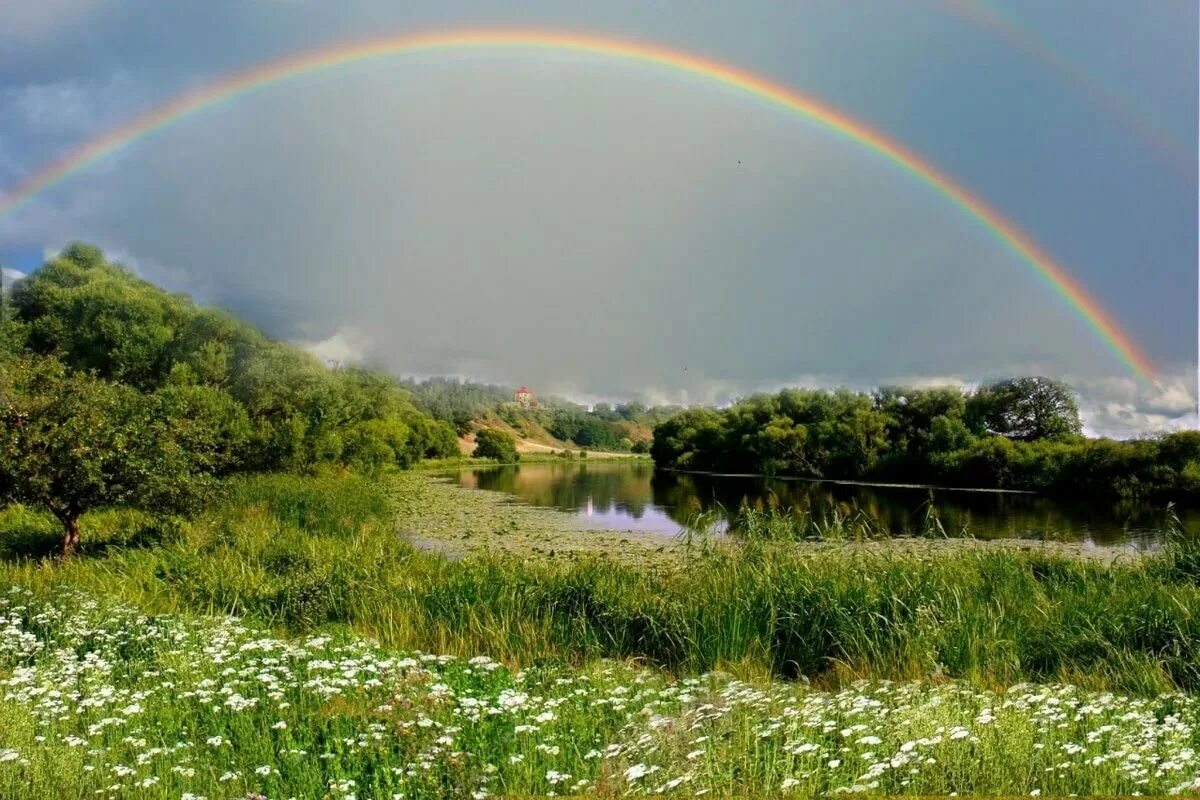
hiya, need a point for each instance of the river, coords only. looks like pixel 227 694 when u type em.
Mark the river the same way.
pixel 635 496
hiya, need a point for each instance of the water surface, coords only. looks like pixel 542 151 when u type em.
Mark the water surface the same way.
pixel 635 496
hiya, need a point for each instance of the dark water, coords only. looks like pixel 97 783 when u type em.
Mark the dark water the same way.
pixel 634 496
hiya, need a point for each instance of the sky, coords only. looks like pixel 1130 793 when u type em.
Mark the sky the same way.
pixel 604 229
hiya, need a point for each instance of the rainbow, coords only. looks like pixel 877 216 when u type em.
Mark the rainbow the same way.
pixel 984 16
pixel 257 77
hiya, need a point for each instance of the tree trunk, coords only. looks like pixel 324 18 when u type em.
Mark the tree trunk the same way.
pixel 71 535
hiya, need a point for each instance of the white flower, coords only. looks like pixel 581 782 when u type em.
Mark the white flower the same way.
pixel 789 783
pixel 635 772
pixel 263 770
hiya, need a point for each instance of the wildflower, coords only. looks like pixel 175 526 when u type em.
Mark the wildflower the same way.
pixel 636 772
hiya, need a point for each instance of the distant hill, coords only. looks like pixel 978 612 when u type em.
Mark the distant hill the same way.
pixel 553 423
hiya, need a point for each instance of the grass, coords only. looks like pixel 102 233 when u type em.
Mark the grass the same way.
pixel 101 700
pixel 303 557
pixel 302 553
pixel 834 522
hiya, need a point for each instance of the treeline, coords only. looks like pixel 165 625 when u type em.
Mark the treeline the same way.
pixel 456 401
pixel 624 427
pixel 463 404
pixel 115 391
pixel 1015 434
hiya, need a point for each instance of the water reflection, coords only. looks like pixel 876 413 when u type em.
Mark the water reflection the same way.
pixel 636 496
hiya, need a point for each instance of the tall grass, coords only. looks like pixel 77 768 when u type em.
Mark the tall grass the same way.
pixel 301 553
pixel 1181 552
pixel 837 522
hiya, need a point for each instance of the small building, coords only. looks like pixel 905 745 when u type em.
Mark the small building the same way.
pixel 525 398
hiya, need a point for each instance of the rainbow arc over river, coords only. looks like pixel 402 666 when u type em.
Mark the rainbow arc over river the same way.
pixel 265 75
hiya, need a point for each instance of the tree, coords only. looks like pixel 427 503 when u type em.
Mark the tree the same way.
pixel 443 441
pixel 71 443
pixel 1025 409
pixel 594 433
pixel 492 443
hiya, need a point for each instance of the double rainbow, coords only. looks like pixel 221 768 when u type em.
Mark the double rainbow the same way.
pixel 264 75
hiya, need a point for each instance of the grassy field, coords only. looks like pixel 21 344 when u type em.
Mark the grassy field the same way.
pixel 738 668
pixel 102 700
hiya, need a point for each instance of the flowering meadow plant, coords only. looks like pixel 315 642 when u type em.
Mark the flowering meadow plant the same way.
pixel 99 700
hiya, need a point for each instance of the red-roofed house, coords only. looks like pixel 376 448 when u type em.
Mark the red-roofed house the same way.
pixel 525 398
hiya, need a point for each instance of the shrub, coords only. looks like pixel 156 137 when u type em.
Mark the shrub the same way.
pixel 492 443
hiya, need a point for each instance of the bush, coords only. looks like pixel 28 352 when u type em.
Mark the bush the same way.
pixel 491 443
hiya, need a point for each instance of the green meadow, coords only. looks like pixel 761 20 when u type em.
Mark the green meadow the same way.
pixel 221 577
pixel 289 641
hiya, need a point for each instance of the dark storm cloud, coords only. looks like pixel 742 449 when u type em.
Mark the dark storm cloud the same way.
pixel 587 226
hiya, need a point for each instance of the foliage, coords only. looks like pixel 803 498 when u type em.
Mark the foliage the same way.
pixel 252 403
pixel 1025 409
pixel 71 443
pixel 492 443
pixel 456 401
pixel 624 427
pixel 1018 434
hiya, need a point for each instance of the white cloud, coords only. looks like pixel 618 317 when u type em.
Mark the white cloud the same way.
pixel 11 275
pixel 1126 407
pixel 348 346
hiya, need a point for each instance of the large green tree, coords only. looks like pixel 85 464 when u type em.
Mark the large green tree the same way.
pixel 71 443
pixel 1025 409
